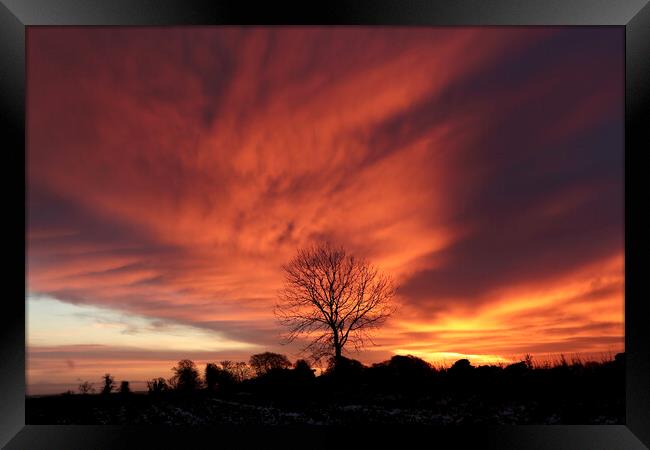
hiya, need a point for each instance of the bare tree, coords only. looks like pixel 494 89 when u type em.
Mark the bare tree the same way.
pixel 109 384
pixel 239 370
pixel 157 386
pixel 332 298
pixel 86 387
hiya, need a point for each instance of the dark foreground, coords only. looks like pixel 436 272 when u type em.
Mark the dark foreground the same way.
pixel 399 392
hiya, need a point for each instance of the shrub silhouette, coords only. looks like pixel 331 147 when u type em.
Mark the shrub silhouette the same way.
pixel 519 367
pixel 528 360
pixel 459 375
pixel 344 370
pixel 109 384
pixel 86 388
pixel 157 386
pixel 579 392
pixel 488 379
pixel 409 366
pixel 619 359
pixel 401 372
pixel 303 371
pixel 489 371
pixel 278 384
pixel 264 362
pixel 124 388
pixel 186 378
pixel 461 365
pixel 301 381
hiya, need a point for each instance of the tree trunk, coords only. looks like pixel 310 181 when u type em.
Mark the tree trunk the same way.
pixel 337 345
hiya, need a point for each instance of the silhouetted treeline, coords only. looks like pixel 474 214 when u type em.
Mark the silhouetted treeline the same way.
pixel 404 388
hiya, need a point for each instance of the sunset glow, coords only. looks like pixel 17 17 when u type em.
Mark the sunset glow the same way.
pixel 172 171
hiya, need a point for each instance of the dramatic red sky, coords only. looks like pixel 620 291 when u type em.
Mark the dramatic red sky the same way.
pixel 172 171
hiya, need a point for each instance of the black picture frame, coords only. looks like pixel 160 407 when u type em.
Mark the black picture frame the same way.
pixel 633 15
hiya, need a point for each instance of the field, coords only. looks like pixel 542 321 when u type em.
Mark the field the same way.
pixel 400 391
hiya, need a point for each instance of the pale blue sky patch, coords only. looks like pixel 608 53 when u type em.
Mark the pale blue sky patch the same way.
pixel 51 322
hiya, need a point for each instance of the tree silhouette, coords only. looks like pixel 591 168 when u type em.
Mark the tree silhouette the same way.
pixel 239 370
pixel 86 387
pixel 332 298
pixel 124 387
pixel 157 385
pixel 109 384
pixel 344 368
pixel 186 376
pixel 216 376
pixel 267 361
pixel 303 370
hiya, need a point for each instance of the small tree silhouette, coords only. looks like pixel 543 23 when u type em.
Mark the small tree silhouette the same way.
pixel 303 370
pixel 86 388
pixel 109 384
pixel 409 367
pixel 528 360
pixel 216 376
pixel 124 388
pixel 239 370
pixel 462 365
pixel 267 361
pixel 303 365
pixel 344 368
pixel 186 377
pixel 157 386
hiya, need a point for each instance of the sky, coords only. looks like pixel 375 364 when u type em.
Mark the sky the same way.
pixel 172 171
